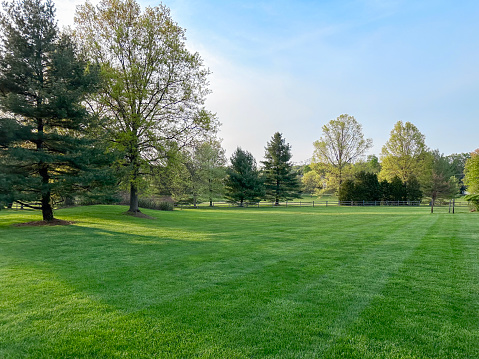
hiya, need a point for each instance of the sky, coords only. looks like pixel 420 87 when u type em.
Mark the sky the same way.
pixel 292 66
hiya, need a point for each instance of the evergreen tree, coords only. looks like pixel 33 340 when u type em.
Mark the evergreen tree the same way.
pixel 364 187
pixel 397 190
pixel 413 189
pixel 243 182
pixel 43 151
pixel 281 182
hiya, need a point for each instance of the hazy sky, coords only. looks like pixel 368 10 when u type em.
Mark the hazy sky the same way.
pixel 291 66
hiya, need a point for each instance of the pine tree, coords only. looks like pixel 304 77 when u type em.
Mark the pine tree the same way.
pixel 281 182
pixel 44 153
pixel 243 182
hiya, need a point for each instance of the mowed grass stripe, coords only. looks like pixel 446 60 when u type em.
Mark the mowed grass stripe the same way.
pixel 298 282
pixel 429 308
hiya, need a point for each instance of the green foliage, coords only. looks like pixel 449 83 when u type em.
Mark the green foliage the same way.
pixel 243 182
pixel 472 173
pixel 311 182
pixel 45 154
pixel 153 93
pixel 341 145
pixel 404 154
pixel 364 187
pixel 441 182
pixel 209 158
pixel 473 200
pixel 413 189
pixel 280 181
pixel 457 162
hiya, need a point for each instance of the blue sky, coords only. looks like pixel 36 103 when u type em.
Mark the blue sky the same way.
pixel 291 66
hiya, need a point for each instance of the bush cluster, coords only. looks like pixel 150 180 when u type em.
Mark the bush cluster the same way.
pixel 366 187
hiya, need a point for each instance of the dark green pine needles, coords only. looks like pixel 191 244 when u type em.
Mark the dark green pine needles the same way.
pixel 44 151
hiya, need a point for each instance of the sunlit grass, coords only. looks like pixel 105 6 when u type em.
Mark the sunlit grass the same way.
pixel 360 282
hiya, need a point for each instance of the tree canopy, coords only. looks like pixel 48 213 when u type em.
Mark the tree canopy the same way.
pixel 152 98
pixel 341 144
pixel 404 154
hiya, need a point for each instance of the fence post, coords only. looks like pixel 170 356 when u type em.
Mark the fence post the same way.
pixel 326 203
pixel 313 204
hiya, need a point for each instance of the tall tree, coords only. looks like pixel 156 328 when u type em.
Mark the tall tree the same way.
pixel 44 152
pixel 404 154
pixel 281 182
pixel 342 144
pixel 154 88
pixel 441 182
pixel 243 182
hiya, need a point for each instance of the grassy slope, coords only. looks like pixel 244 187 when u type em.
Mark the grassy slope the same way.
pixel 275 283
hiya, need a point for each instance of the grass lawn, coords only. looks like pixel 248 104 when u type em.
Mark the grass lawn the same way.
pixel 318 282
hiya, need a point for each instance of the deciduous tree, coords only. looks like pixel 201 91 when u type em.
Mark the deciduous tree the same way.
pixel 472 178
pixel 441 182
pixel 404 154
pixel 154 88
pixel 342 144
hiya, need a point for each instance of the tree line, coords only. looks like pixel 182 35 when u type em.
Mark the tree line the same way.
pixel 117 104
pixel 407 170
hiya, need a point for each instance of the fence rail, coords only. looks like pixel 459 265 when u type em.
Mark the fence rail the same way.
pixel 18 206
pixel 328 203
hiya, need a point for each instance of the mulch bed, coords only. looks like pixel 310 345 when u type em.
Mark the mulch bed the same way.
pixel 55 222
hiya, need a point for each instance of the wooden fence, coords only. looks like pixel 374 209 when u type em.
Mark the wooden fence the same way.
pixel 330 203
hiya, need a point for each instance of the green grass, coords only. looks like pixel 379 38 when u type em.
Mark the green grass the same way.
pixel 241 283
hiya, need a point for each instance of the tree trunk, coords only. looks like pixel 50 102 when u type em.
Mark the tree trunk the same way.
pixel 47 210
pixel 432 204
pixel 133 199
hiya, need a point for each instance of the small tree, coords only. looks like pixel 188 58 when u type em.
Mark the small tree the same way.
pixel 281 182
pixel 243 182
pixel 211 160
pixel 441 182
